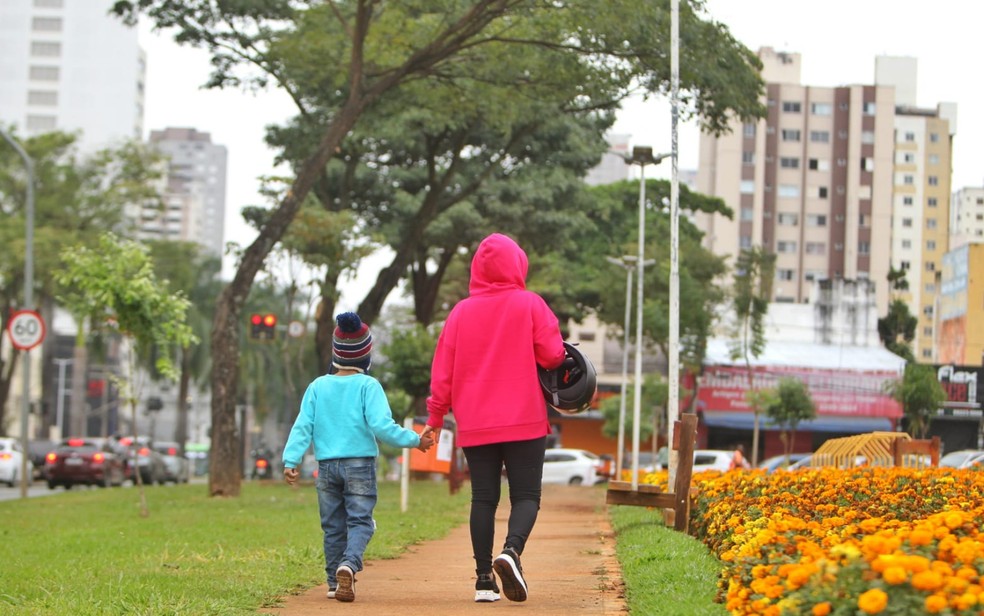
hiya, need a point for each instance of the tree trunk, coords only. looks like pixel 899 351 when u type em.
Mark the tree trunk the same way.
pixel 325 321
pixel 78 410
pixel 6 375
pixel 184 384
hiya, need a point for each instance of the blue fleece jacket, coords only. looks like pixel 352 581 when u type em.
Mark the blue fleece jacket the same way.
pixel 344 415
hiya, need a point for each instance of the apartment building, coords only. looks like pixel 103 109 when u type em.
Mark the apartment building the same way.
pixel 960 334
pixel 839 182
pixel 69 65
pixel 966 217
pixel 195 191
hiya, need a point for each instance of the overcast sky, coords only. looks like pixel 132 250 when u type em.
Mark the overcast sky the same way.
pixel 838 41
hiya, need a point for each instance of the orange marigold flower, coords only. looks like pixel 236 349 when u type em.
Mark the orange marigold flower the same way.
pixel 953 519
pixel 873 601
pixel 966 601
pixel 920 536
pixel 916 563
pixel 927 580
pixel 934 604
pixel 895 575
pixel 821 609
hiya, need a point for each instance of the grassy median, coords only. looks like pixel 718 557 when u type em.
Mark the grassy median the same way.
pixel 90 552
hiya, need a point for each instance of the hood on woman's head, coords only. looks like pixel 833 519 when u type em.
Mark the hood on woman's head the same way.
pixel 498 261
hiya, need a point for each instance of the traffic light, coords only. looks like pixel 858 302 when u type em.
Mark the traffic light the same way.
pixel 263 326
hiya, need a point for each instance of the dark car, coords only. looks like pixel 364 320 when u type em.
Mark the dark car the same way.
pixel 84 461
pixel 142 458
pixel 38 450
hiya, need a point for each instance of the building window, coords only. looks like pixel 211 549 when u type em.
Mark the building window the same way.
pixel 929 287
pixel 907 222
pixel 863 220
pixel 816 220
pixel 785 274
pixel 930 244
pixel 46 24
pixel 928 331
pixel 44 73
pixel 820 136
pixel 789 162
pixel 906 244
pixel 867 136
pixel 819 164
pixel 930 223
pixel 927 353
pixel 864 248
pixel 908 158
pixel 821 109
pixel 40 123
pixel 791 106
pixel 931 202
pixel 745 241
pixel 816 248
pixel 934 159
pixel 841 162
pixel 789 134
pixel 747 214
pixel 747 187
pixel 867 164
pixel 789 190
pixel 45 49
pixel 42 98
pixel 927 311
pixel 908 180
pixel 910 136
pixel 822 192
pixel 838 247
pixel 785 247
pixel 906 200
pixel 930 266
pixel 869 108
pixel 934 137
pixel 749 130
pixel 748 158
pixel 842 134
pixel 49 4
pixel 934 180
pixel 788 220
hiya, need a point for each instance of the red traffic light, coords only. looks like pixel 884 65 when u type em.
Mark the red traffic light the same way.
pixel 256 319
pixel 263 326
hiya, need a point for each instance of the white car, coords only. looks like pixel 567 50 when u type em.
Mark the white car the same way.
pixel 712 460
pixel 964 458
pixel 570 466
pixel 10 462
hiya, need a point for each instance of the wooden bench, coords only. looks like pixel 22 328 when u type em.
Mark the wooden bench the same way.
pixel 675 504
pixel 916 447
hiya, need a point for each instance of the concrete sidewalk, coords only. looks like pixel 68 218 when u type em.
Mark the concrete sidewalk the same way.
pixel 569 564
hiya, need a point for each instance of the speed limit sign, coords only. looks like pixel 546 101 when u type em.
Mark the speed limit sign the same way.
pixel 26 329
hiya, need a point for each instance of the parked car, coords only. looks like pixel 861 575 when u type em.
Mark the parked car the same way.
pixel 38 450
pixel 963 458
pixel 11 458
pixel 570 466
pixel 176 465
pixel 776 462
pixel 142 458
pixel 84 461
pixel 712 460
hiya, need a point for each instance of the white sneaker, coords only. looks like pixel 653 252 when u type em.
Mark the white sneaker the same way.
pixel 331 592
pixel 486 590
pixel 345 591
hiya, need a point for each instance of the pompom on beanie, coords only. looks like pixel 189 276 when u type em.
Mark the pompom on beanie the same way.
pixel 351 343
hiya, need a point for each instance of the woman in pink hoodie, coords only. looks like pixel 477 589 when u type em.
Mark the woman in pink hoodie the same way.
pixel 485 370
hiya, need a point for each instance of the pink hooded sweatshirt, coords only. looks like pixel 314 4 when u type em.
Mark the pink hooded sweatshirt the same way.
pixel 485 363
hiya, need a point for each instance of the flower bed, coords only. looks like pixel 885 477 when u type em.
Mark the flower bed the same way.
pixel 858 541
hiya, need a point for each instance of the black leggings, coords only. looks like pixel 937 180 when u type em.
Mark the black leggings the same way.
pixel 524 469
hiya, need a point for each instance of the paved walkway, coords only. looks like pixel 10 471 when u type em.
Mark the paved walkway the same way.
pixel 569 563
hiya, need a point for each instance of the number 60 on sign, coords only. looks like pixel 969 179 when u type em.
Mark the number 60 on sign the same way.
pixel 26 329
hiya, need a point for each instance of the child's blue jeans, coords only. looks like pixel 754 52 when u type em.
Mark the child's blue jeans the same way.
pixel 346 499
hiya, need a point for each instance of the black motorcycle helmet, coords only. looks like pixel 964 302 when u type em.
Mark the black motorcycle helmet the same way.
pixel 570 387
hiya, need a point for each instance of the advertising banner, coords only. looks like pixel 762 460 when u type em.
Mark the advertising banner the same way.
pixel 834 392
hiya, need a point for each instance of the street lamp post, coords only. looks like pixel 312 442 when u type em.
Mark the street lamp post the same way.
pixel 60 413
pixel 28 299
pixel 641 156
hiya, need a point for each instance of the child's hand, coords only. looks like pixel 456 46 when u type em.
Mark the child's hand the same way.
pixel 291 475
pixel 426 441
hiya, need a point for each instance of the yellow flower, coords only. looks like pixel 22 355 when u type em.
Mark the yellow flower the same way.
pixel 821 609
pixel 873 601
pixel 894 575
pixel 934 604
pixel 966 601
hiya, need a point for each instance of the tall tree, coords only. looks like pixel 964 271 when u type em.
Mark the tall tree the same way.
pixel 897 329
pixel 752 291
pixel 339 60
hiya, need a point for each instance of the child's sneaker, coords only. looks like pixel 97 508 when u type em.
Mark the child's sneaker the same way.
pixel 346 584
pixel 331 592
pixel 511 573
pixel 486 590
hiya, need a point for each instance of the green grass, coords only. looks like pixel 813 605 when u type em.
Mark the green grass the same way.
pixel 665 571
pixel 90 552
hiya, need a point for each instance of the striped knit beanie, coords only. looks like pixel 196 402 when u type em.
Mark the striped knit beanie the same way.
pixel 351 344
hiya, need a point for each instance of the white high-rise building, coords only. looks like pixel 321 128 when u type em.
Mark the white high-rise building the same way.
pixel 69 65
pixel 967 217
pixel 195 191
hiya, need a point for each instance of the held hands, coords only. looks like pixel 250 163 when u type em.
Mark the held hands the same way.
pixel 291 475
pixel 430 436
